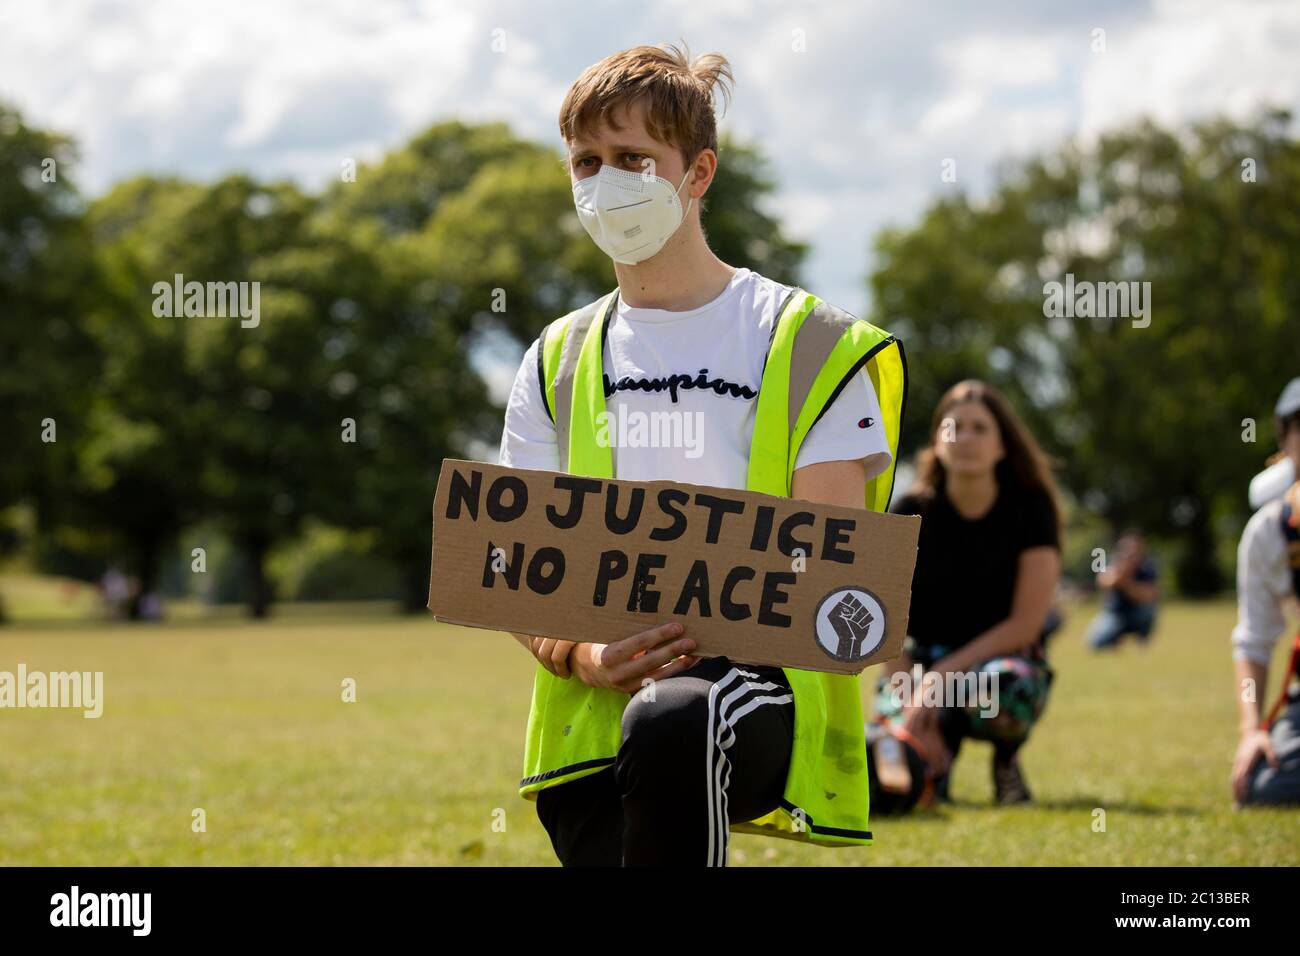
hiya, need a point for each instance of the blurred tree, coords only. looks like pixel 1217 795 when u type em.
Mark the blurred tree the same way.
pixel 1148 420
pixel 404 356
pixel 958 290
pixel 401 192
pixel 138 456
pixel 226 417
pixel 47 279
pixel 401 372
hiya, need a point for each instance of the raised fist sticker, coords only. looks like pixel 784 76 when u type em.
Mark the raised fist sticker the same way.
pixel 850 618
pixel 850 624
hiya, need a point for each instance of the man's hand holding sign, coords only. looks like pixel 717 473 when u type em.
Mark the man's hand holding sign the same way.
pixel 564 560
pixel 654 654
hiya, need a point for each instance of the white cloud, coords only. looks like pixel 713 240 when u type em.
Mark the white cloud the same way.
pixel 855 127
pixel 1193 59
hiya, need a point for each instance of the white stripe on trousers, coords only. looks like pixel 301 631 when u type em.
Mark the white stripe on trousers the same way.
pixel 716 762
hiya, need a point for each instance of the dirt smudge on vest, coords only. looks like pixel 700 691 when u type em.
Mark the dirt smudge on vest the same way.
pixel 848 751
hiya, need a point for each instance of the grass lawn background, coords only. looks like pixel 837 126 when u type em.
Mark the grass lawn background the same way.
pixel 245 720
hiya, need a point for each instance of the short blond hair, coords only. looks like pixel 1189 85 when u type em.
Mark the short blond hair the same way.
pixel 679 95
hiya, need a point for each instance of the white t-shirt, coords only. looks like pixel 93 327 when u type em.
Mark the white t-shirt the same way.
pixel 703 367
pixel 1263 585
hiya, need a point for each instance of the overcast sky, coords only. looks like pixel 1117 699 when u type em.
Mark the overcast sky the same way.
pixel 856 125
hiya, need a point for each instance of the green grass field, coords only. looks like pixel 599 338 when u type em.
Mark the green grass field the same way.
pixel 246 721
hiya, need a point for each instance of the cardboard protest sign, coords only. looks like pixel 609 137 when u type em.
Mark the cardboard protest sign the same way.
pixel 758 578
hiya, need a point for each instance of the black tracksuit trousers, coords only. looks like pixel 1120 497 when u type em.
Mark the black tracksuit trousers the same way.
pixel 712 746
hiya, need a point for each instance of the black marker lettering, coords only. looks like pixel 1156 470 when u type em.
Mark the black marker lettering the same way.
pixel 613 565
pixel 786 542
pixel 772 594
pixel 461 492
pixel 578 488
pixel 717 508
pixel 518 498
pixel 837 533
pixel 642 597
pixel 622 525
pixel 696 588
pixel 541 582
pixel 730 609
pixel 511 573
pixel 667 496
pixel 762 528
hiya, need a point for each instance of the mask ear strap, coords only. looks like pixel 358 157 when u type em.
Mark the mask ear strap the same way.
pixel 689 201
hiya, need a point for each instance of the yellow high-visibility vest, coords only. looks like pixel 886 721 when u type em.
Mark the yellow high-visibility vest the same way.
pixel 575 730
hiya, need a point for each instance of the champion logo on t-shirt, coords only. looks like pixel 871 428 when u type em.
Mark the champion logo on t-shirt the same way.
pixel 678 381
pixel 866 422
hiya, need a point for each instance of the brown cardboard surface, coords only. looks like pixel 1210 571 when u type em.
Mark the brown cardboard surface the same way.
pixel 557 555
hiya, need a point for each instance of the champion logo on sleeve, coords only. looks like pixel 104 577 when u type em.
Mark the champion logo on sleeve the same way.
pixel 866 422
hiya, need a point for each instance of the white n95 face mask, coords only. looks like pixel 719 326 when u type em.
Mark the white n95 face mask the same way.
pixel 629 216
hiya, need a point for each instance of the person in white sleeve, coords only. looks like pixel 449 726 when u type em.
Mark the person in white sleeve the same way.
pixel 1266 769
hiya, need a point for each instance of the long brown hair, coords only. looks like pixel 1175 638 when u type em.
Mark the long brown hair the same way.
pixel 1025 466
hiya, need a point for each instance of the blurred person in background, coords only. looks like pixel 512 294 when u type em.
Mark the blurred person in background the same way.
pixel 115 589
pixel 988 562
pixel 1131 595
pixel 1266 768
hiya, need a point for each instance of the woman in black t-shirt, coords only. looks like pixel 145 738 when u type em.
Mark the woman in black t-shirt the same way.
pixel 987 567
